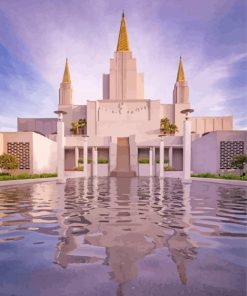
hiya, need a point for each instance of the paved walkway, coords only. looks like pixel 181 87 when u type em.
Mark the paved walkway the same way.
pixel 26 181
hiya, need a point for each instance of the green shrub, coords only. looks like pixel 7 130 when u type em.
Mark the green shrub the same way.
pixel 205 175
pixel 4 174
pixel 79 168
pixel 239 161
pixel 165 161
pixel 213 176
pixel 169 168
pixel 143 160
pixel 102 160
pixel 23 176
pixel 80 161
pixel 8 162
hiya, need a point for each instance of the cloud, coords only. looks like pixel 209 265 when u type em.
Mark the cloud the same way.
pixel 41 34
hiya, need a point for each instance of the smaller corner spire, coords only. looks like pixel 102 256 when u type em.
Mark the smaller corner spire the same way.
pixel 66 75
pixel 180 75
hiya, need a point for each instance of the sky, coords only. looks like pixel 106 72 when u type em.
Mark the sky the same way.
pixel 36 37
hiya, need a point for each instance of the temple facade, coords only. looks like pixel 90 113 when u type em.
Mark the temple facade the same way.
pixel 123 126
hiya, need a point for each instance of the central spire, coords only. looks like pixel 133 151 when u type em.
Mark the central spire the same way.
pixel 180 76
pixel 66 75
pixel 123 41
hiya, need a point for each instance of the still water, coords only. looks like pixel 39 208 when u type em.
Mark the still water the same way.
pixel 123 236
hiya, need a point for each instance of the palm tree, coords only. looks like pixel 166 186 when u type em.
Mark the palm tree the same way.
pixel 173 129
pixel 75 127
pixel 81 124
pixel 166 127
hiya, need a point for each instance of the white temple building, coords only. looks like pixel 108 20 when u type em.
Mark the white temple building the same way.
pixel 123 126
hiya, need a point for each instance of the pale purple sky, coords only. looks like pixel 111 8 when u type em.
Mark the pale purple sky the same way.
pixel 37 36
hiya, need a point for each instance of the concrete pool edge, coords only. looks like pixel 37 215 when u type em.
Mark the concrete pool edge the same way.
pixel 41 180
pixel 221 181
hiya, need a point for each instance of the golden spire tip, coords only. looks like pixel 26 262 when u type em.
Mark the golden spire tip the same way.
pixel 180 75
pixel 66 74
pixel 123 41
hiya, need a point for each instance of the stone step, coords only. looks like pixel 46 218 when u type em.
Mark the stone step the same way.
pixel 123 174
pixel 123 155
pixel 123 141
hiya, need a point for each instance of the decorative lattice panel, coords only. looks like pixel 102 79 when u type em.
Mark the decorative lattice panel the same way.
pixel 228 149
pixel 22 152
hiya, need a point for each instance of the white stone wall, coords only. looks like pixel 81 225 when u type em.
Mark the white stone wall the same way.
pixel 143 169
pixel 103 169
pixel 108 118
pixel 44 126
pixel 124 81
pixel 204 154
pixel 201 125
pixel 206 150
pixel 19 137
pixel 44 154
pixel 1 143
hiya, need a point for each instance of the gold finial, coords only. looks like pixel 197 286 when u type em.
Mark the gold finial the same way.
pixel 66 74
pixel 180 76
pixel 123 41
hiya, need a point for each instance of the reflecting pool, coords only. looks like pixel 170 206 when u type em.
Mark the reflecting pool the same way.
pixel 123 236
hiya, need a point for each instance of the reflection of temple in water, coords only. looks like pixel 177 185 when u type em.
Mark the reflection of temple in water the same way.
pixel 123 222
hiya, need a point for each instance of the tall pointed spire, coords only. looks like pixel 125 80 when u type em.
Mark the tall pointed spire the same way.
pixel 123 41
pixel 65 90
pixel 66 75
pixel 180 76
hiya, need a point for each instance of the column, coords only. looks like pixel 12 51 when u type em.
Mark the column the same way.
pixel 162 157
pixel 150 162
pixel 60 148
pixel 95 162
pixel 76 156
pixel 170 156
pixel 85 157
pixel 187 150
